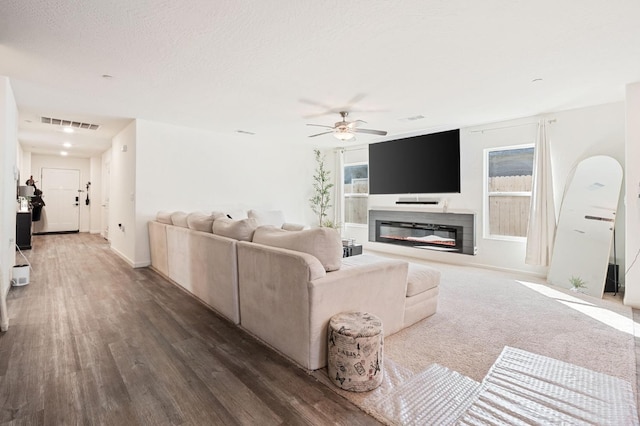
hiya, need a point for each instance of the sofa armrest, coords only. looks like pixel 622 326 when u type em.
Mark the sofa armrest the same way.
pixel 274 296
pixel 158 247
pixel 378 287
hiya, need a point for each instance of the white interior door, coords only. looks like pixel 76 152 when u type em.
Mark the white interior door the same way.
pixel 60 193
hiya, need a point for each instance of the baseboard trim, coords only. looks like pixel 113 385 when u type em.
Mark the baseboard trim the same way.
pixel 141 264
pixel 123 257
pixel 56 232
pixel 379 249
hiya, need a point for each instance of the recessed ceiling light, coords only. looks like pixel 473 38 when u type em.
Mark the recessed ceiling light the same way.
pixel 67 129
pixel 67 144
pixel 64 153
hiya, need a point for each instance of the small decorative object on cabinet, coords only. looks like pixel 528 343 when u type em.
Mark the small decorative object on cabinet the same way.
pixel 350 248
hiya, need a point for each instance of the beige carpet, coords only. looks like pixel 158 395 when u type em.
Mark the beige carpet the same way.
pixel 481 312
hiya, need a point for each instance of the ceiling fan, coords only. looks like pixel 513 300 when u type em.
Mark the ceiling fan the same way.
pixel 346 130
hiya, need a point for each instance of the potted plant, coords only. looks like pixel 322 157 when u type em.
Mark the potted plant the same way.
pixel 320 202
pixel 577 283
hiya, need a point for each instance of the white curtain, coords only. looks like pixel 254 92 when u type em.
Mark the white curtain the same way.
pixel 542 215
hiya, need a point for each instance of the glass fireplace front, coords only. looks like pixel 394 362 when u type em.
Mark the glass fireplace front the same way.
pixel 420 235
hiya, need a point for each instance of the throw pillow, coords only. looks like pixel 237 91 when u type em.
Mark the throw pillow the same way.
pixel 237 229
pixel 323 243
pixel 268 217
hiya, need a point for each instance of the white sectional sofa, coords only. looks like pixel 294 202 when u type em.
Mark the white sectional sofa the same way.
pixel 284 286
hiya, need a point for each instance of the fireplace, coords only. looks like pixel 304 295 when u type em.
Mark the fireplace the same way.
pixel 446 232
pixel 420 235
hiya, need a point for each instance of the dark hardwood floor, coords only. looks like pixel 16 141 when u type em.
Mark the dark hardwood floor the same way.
pixel 93 341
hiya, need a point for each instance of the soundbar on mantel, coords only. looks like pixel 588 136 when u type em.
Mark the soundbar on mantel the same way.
pixel 418 202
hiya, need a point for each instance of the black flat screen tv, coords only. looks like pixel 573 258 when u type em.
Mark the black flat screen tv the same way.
pixel 426 164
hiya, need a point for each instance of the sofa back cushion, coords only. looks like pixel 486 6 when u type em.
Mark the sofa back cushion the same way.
pixel 323 243
pixel 201 221
pixel 179 219
pixel 294 226
pixel 164 217
pixel 267 217
pixel 241 230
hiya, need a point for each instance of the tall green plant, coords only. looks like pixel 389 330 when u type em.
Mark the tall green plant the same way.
pixel 320 202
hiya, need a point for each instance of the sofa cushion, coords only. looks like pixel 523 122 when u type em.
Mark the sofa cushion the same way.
pixel 200 222
pixel 268 217
pixel 323 243
pixel 421 278
pixel 164 217
pixel 179 219
pixel 241 230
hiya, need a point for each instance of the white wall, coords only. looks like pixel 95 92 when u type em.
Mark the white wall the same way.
pixel 8 176
pixel 186 169
pixel 573 136
pixel 38 162
pixel 104 198
pixel 95 194
pixel 632 195
pixel 122 206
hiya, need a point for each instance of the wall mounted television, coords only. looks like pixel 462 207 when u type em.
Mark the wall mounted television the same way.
pixel 425 164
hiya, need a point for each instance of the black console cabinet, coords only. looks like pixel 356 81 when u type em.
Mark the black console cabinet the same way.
pixel 23 230
pixel 353 250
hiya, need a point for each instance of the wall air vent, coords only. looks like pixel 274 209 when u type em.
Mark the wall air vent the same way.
pixel 69 123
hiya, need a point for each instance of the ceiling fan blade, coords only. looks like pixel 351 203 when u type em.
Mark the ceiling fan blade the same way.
pixel 357 98
pixel 370 131
pixel 314 103
pixel 356 123
pixel 323 133
pixel 328 110
pixel 321 114
pixel 320 125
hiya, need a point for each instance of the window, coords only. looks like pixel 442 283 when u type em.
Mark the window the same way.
pixel 356 193
pixel 509 173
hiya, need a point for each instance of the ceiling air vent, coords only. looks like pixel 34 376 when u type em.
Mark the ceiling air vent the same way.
pixel 69 123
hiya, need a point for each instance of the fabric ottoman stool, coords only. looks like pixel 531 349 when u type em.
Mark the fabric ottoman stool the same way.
pixel 354 361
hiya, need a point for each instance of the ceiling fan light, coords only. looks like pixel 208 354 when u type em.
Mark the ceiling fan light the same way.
pixel 343 135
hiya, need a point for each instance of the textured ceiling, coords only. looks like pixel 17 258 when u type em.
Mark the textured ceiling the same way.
pixel 264 67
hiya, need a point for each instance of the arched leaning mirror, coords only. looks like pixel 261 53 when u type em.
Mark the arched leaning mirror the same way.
pixel 585 227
